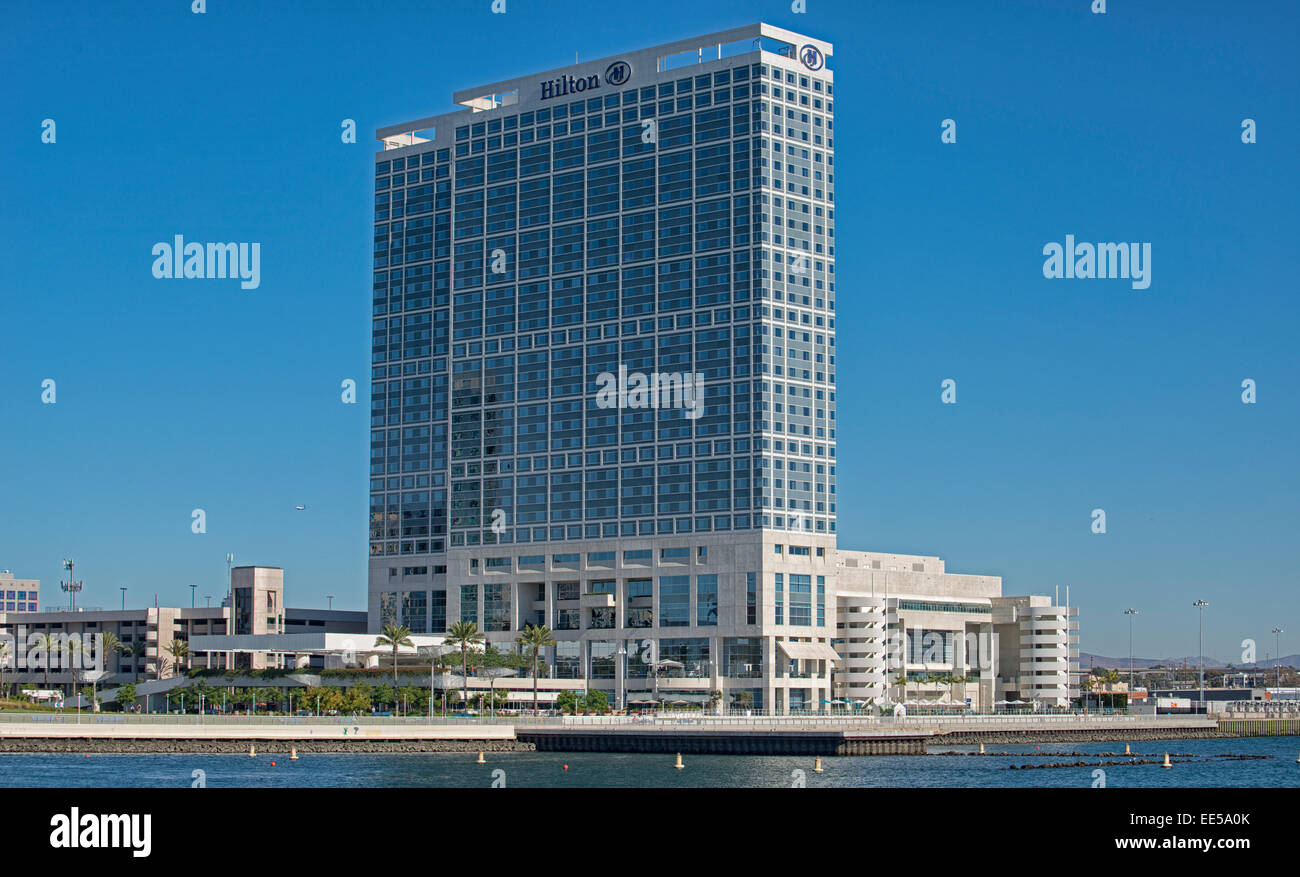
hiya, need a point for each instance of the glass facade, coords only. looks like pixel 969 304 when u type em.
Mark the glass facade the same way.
pixel 520 255
pixel 674 228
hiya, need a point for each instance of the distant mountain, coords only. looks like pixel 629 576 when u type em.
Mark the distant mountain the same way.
pixel 1087 660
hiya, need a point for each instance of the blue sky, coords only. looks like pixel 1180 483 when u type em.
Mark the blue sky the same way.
pixel 1072 394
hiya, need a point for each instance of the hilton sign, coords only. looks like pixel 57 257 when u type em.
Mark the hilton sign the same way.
pixel 616 74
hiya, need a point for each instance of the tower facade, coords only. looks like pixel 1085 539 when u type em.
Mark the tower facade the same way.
pixel 603 386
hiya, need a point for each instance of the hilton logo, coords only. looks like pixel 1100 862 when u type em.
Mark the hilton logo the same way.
pixel 812 58
pixel 615 74
pixel 618 73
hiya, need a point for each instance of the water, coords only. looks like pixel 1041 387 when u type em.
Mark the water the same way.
pixel 544 769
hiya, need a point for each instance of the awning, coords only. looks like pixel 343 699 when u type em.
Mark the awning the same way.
pixel 809 651
pixel 542 696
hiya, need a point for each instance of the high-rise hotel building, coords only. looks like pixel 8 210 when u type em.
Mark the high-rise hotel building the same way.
pixel 659 218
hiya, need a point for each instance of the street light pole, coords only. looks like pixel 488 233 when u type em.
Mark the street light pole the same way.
pixel 1130 613
pixel 1200 635
pixel 193 589
pixel 123 590
pixel 1277 653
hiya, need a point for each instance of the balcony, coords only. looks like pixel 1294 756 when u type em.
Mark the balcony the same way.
pixel 597 601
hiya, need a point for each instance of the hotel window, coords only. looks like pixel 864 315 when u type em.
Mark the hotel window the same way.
pixel 751 598
pixel 564 561
pixel 692 654
pixel 602 586
pixel 780 598
pixel 674 555
pixel 387 607
pixel 821 601
pixel 706 600
pixel 415 611
pixel 638 557
pixel 800 599
pixel 602 660
pixel 498 564
pixel 469 603
pixel 566 590
pixel 674 601
pixel 742 657
pixel 799 551
pixel 600 558
pixel 568 660
pixel 532 561
pixel 438 612
pixel 496 607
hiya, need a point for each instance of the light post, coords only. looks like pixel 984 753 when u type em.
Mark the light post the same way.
pixel 193 590
pixel 1200 635
pixel 123 590
pixel 1277 653
pixel 230 623
pixel 330 597
pixel 622 689
pixel 1130 613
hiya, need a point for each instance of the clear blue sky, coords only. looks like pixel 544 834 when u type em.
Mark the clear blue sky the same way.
pixel 1072 394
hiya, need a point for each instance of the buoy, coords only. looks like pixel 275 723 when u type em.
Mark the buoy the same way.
pixel 252 753
pixel 481 759
pixel 817 768
pixel 273 764
pixel 1126 750
pixel 293 754
pixel 1167 763
pixel 679 764
pixel 566 767
pixel 981 749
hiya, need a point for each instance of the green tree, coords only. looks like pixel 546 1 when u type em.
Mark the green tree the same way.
pixel 567 702
pixel 743 699
pixel 394 636
pixel 126 696
pixel 463 635
pixel 535 639
pixel 357 698
pixel 596 701
pixel 383 695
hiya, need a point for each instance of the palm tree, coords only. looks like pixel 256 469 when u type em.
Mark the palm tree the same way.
pixel 138 649
pixel 109 644
pixel 47 643
pixel 179 649
pixel 395 635
pixel 462 635
pixel 535 638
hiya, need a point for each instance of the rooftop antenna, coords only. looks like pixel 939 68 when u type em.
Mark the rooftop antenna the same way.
pixel 71 586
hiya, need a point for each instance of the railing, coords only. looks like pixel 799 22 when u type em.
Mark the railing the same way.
pixel 666 718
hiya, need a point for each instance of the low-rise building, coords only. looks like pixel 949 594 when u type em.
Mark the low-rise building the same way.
pixel 909 632
pixel 19 595
pixel 147 636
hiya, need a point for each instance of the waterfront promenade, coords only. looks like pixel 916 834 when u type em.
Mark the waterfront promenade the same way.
pixel 831 735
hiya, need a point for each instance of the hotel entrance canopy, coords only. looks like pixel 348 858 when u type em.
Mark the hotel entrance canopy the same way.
pixel 809 651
